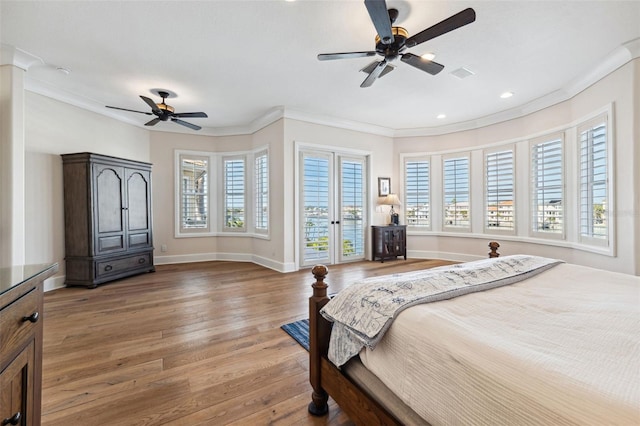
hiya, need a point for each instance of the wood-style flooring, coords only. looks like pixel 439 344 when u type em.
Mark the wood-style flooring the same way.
pixel 191 344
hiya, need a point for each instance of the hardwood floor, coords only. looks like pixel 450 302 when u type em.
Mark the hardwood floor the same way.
pixel 191 344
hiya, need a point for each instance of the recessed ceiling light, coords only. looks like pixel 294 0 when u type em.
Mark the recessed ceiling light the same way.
pixel 441 116
pixel 506 95
pixel 429 56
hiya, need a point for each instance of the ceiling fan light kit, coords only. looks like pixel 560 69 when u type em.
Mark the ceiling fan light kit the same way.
pixel 164 112
pixel 392 42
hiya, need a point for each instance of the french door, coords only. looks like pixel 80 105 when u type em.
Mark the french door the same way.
pixel 333 216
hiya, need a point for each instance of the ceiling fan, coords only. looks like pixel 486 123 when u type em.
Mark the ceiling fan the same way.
pixel 164 112
pixel 393 42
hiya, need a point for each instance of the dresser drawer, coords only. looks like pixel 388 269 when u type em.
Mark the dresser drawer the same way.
pixel 18 320
pixel 116 266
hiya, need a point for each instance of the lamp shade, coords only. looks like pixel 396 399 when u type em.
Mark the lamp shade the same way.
pixel 391 200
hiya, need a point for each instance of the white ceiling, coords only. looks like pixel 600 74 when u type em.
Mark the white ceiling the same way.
pixel 239 60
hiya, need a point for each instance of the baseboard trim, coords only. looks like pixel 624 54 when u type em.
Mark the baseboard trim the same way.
pixel 458 257
pixel 54 283
pixel 230 257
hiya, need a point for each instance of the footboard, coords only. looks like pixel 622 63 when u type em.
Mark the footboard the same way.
pixel 325 378
pixel 319 333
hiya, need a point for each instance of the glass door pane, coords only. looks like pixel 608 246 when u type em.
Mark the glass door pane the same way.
pixel 352 212
pixel 316 217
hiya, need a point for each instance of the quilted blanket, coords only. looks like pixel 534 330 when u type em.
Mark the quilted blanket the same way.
pixel 362 312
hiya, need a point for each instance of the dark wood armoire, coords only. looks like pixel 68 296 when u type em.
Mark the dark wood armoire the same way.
pixel 108 221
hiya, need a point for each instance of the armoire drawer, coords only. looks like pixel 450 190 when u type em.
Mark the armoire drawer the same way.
pixel 116 266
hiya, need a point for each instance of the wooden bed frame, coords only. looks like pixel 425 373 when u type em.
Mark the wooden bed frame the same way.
pixel 326 379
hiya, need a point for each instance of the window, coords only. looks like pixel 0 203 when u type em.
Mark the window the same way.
pixel 594 210
pixel 194 193
pixel 499 193
pixel 262 191
pixel 456 193
pixel 416 196
pixel 547 186
pixel 234 193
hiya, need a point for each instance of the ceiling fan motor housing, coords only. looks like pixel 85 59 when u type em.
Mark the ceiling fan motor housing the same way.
pixel 391 51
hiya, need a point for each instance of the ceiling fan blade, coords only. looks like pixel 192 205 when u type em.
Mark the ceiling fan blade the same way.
pixel 458 20
pixel 184 123
pixel 372 66
pixel 191 114
pixel 152 104
pixel 431 67
pixel 346 55
pixel 380 17
pixel 374 74
pixel 152 122
pixel 130 110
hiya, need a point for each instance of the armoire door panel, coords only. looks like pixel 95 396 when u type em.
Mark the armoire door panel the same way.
pixel 108 197
pixel 139 240
pixel 137 201
pixel 110 243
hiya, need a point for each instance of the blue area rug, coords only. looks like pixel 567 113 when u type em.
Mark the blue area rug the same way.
pixel 299 330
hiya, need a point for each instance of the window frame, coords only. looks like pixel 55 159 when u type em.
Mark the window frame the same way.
pixel 179 230
pixel 496 229
pixel 534 231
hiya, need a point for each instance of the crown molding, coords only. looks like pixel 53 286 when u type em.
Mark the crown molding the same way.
pixel 11 55
pixel 619 57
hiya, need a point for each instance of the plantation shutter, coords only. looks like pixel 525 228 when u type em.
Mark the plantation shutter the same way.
pixel 499 184
pixel 234 193
pixel 417 201
pixel 456 192
pixel 194 192
pixel 262 191
pixel 593 179
pixel 547 185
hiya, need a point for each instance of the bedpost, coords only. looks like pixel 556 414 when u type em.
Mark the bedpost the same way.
pixel 493 245
pixel 319 331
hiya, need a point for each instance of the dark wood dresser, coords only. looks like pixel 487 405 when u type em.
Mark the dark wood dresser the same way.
pixel 388 242
pixel 108 221
pixel 21 301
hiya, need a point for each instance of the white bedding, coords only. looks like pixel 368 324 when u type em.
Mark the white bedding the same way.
pixel 562 347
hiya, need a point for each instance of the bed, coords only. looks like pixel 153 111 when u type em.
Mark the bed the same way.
pixel 561 346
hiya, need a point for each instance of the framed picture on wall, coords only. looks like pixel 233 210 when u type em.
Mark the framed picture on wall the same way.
pixel 384 186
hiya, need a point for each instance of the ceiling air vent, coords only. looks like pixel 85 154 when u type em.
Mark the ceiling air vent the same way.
pixel 462 73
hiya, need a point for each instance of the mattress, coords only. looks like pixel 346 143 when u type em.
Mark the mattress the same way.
pixel 562 347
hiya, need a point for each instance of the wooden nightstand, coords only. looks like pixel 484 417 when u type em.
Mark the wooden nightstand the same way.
pixel 388 242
